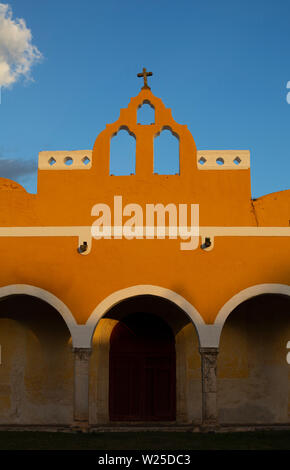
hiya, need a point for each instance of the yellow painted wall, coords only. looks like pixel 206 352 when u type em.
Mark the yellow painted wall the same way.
pixel 36 374
pixel 65 198
pixel 36 371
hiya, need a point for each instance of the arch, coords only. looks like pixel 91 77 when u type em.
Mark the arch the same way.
pixel 146 113
pixel 188 364
pixel 48 297
pixel 146 289
pixel 123 152
pixel 242 296
pixel 166 152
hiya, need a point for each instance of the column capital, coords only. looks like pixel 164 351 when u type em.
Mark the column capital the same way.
pixel 203 350
pixel 82 354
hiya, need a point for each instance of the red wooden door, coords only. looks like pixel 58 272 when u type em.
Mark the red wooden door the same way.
pixel 142 370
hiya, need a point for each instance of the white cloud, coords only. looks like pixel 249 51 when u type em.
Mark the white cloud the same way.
pixel 17 53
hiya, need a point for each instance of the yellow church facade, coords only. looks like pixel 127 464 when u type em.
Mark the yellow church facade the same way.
pixel 113 313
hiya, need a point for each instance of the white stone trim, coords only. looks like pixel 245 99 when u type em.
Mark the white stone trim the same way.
pixel 48 297
pixel 144 289
pixel 59 157
pixel 67 231
pixel 210 157
pixel 209 335
pixel 84 233
pixel 241 297
pixel 244 231
pixel 288 354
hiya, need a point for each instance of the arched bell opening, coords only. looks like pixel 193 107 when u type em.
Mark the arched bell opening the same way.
pixel 123 153
pixel 146 113
pixel 166 152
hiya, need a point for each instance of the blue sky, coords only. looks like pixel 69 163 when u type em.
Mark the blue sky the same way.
pixel 222 67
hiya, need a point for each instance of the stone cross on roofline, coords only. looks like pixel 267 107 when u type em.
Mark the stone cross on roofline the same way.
pixel 145 74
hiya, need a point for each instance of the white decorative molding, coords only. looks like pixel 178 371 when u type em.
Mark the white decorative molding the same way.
pixel 212 232
pixel 46 296
pixel 58 160
pixel 244 231
pixel 208 334
pixel 143 289
pixel 223 159
pixel 206 160
pixel 84 233
pixel 244 295
pixel 80 334
pixel 70 231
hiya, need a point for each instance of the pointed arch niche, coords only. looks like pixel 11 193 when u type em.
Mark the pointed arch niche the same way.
pixel 166 152
pixel 146 113
pixel 123 152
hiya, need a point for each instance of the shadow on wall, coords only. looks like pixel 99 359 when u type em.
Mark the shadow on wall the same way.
pixel 253 374
pixel 36 381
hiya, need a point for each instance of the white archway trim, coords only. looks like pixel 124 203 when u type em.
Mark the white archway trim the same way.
pixel 46 296
pixel 246 294
pixel 241 297
pixel 143 289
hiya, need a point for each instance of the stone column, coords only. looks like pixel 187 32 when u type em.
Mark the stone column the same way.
pixel 81 387
pixel 209 386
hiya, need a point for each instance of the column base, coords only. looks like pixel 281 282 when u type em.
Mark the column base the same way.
pixel 80 426
pixel 209 427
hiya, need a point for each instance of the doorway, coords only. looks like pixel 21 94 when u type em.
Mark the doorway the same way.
pixel 142 370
